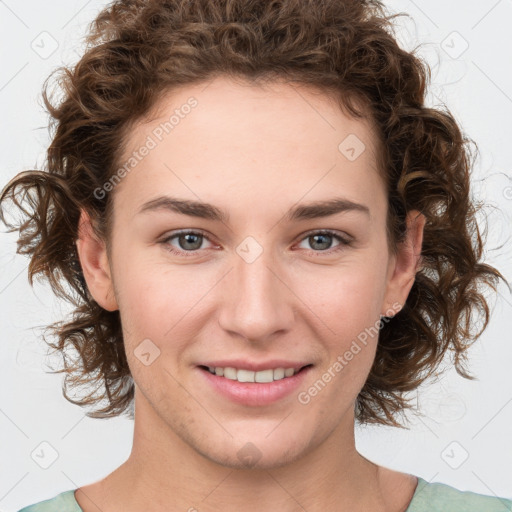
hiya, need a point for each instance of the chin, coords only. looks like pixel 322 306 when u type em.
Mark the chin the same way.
pixel 252 458
pixel 255 452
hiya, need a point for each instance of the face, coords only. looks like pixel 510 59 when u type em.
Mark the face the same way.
pixel 261 279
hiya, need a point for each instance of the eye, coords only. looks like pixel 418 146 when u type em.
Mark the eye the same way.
pixel 322 240
pixel 188 241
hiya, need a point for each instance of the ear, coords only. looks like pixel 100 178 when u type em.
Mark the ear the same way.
pixel 404 265
pixel 92 253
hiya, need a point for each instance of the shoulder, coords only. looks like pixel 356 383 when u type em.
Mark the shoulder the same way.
pixel 439 497
pixel 63 502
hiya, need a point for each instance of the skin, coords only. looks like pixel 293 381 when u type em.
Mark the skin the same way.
pixel 253 152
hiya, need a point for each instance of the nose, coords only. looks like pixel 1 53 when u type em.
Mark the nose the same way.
pixel 256 301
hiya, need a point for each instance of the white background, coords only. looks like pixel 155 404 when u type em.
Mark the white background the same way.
pixel 460 418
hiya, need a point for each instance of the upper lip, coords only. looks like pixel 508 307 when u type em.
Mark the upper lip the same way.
pixel 243 364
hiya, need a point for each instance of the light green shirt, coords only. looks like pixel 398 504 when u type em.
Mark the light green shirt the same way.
pixel 438 497
pixel 428 497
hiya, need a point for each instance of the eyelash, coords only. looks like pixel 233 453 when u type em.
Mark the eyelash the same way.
pixel 344 242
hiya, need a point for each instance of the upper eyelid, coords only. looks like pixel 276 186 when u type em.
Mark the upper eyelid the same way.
pixel 194 231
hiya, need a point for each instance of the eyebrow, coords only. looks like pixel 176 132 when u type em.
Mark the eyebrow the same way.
pixel 313 210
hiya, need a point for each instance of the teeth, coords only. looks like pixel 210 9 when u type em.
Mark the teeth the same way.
pixel 269 375
pixel 289 372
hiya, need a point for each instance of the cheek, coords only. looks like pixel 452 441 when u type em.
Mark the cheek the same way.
pixel 349 295
pixel 154 300
pixel 351 310
pixel 170 305
pixel 348 302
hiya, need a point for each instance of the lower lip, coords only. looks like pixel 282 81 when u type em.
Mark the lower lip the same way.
pixel 255 393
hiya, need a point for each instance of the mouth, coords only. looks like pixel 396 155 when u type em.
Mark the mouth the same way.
pixel 262 376
pixel 254 388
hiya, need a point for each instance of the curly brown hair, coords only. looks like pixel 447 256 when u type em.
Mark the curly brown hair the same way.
pixel 138 50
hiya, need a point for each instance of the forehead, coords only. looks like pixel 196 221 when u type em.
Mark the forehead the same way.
pixel 224 137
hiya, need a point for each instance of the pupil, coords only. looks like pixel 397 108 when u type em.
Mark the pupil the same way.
pixel 187 240
pixel 320 236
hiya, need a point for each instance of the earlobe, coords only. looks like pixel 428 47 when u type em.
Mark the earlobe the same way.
pixel 406 263
pixel 92 253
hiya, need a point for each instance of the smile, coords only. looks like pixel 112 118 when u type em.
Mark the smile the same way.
pixel 241 375
pixel 254 388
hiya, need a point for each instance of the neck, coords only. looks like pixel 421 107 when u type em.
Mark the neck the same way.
pixel 164 472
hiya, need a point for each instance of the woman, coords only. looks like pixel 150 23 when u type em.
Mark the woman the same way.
pixel 333 262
